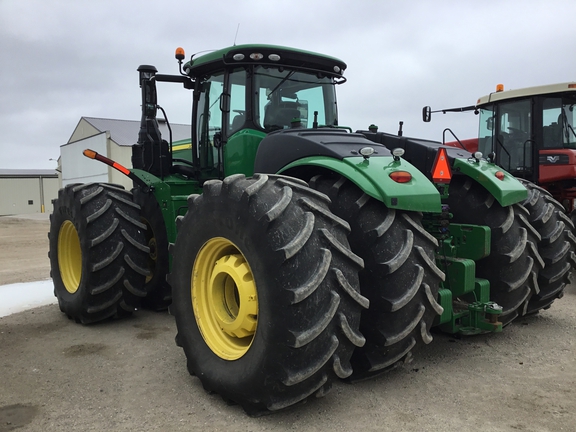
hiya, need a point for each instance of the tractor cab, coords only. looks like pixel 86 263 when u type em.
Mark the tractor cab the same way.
pixel 241 94
pixel 530 132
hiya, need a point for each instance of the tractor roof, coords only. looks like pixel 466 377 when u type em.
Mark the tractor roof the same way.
pixel 264 54
pixel 525 92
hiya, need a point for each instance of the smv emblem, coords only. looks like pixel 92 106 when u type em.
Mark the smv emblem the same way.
pixel 552 159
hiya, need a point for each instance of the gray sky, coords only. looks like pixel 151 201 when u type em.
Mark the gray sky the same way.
pixel 63 59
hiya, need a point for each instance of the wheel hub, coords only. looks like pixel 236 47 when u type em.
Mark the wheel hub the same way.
pixel 224 298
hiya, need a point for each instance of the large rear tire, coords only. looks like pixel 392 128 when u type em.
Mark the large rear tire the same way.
pixel 97 252
pixel 400 277
pixel 158 291
pixel 556 246
pixel 265 290
pixel 514 262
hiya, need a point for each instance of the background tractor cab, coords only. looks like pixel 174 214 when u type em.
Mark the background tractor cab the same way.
pixel 530 133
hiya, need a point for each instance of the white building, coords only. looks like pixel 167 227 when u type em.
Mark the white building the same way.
pixel 110 138
pixel 26 191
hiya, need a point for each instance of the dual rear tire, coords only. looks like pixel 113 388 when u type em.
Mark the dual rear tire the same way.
pixel 400 277
pixel 556 245
pixel 514 261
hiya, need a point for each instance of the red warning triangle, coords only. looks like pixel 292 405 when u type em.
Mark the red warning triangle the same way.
pixel 441 172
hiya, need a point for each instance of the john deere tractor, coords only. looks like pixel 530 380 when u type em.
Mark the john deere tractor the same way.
pixel 293 251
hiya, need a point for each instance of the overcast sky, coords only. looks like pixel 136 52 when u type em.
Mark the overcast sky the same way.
pixel 61 60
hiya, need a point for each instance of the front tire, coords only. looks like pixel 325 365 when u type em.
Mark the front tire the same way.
pixel 97 252
pixel 265 291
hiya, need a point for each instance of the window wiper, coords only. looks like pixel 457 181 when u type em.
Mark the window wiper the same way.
pixel 281 82
pixel 503 147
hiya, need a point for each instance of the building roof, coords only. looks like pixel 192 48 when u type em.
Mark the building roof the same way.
pixel 28 173
pixel 125 132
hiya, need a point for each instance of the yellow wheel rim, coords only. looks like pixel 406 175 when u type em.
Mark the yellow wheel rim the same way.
pixel 224 298
pixel 69 256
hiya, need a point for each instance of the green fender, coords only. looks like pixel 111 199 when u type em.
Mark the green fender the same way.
pixel 507 191
pixel 372 175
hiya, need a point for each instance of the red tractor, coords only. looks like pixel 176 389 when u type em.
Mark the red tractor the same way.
pixel 530 133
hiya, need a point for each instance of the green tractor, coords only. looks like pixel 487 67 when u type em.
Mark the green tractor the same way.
pixel 291 251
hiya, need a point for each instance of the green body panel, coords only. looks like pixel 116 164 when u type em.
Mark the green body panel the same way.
pixel 240 152
pixel 372 176
pixel 460 275
pixel 172 195
pixel 468 241
pixel 507 191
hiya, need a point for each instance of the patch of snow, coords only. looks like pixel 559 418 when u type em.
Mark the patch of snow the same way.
pixel 23 296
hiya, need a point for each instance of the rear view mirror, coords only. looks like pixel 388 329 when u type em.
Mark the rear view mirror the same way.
pixel 490 123
pixel 426 114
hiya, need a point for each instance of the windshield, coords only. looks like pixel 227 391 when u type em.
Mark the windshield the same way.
pixel 558 122
pixel 283 96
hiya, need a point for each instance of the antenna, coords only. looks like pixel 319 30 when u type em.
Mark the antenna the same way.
pixel 236 36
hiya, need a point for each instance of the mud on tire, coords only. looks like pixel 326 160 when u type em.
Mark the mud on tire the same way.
pixel 400 277
pixel 97 252
pixel 514 262
pixel 556 246
pixel 273 311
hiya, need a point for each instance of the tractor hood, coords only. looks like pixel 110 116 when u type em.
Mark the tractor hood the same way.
pixel 283 147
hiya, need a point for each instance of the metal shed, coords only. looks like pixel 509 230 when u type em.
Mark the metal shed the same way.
pixel 26 191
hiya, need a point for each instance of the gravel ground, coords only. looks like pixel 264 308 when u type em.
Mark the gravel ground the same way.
pixel 129 375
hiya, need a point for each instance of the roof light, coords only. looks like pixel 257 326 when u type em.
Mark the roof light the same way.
pixel 180 55
pixel 256 56
pixel 273 57
pixel 499 87
pixel 398 152
pixel 401 176
pixel 238 56
pixel 478 155
pixel 366 152
pixel 499 175
pixel 337 69
pixel 441 172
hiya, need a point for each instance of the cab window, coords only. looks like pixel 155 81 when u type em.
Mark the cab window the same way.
pixel 286 96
